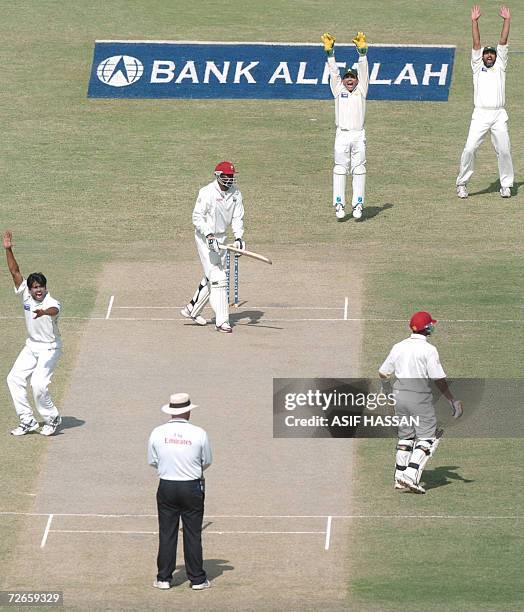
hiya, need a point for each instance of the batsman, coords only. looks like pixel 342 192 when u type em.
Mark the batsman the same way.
pixel 350 92
pixel 218 206
pixel 413 363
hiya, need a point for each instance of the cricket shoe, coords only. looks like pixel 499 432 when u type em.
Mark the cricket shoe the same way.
pixel 25 428
pixel 411 484
pixel 357 211
pixel 162 584
pixel 505 192
pixel 462 191
pixel 225 328
pixel 400 487
pixel 200 587
pixel 49 428
pixel 340 211
pixel 185 312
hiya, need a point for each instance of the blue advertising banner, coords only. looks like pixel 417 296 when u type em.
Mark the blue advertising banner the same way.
pixel 163 69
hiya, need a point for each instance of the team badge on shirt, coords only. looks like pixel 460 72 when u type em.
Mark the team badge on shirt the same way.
pixel 27 307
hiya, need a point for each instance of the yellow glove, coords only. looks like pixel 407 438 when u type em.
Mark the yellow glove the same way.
pixel 329 42
pixel 360 43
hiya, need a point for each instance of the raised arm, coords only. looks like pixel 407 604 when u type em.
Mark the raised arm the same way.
pixel 504 13
pixel 12 264
pixel 363 69
pixel 334 73
pixel 475 32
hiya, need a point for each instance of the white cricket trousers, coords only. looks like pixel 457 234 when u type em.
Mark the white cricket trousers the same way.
pixel 39 364
pixel 482 122
pixel 209 259
pixel 350 156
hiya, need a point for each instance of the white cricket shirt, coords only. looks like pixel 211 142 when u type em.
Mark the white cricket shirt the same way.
pixel 489 84
pixel 44 330
pixel 179 450
pixel 350 107
pixel 215 210
pixel 413 358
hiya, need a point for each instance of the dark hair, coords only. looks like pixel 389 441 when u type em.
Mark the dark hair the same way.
pixel 36 277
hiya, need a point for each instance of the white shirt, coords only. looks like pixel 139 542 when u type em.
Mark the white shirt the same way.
pixel 413 358
pixel 43 331
pixel 489 84
pixel 179 450
pixel 350 107
pixel 215 210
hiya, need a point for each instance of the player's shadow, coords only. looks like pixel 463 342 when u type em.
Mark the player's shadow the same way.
pixel 368 213
pixel 495 187
pixel 68 422
pixel 442 476
pixel 213 567
pixel 254 317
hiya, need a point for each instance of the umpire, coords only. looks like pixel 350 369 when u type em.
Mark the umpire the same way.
pixel 181 452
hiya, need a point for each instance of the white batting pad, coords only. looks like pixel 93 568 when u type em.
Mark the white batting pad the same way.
pixel 218 296
pixel 200 298
pixel 339 185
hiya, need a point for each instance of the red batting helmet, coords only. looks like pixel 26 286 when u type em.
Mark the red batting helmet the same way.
pixel 225 167
pixel 421 320
pixel 225 173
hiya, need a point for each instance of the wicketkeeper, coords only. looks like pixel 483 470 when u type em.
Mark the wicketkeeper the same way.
pixel 414 362
pixel 218 206
pixel 350 94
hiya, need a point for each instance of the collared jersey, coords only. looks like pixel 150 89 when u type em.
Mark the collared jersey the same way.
pixel 489 84
pixel 215 210
pixel 43 330
pixel 350 107
pixel 179 450
pixel 413 358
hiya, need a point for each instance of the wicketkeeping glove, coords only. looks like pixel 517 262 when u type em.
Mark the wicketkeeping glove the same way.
pixel 360 43
pixel 329 42
pixel 456 408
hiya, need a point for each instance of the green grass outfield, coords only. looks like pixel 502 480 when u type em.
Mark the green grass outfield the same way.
pixel 89 181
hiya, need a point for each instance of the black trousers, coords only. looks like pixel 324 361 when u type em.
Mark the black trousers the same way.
pixel 177 499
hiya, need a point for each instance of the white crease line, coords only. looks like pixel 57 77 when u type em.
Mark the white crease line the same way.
pixel 328 533
pixel 346 307
pixel 207 531
pixel 263 319
pixel 240 308
pixel 111 300
pixel 273 516
pixel 46 532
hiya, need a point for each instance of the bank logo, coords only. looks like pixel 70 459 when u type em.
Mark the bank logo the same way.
pixel 120 70
pixel 204 70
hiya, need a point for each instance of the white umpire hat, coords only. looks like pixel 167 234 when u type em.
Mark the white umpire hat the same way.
pixel 179 403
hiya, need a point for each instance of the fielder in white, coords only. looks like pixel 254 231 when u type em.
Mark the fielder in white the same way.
pixel 489 115
pixel 350 94
pixel 414 362
pixel 218 206
pixel 40 354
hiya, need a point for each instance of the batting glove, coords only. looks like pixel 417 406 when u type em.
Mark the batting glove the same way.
pixel 239 244
pixel 457 408
pixel 360 43
pixel 329 42
pixel 212 243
